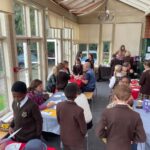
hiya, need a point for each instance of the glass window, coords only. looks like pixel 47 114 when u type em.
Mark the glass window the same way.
pixel 56 35
pixel 86 49
pixel 67 33
pixel 23 62
pixel 3 87
pixel 51 33
pixel 34 59
pixel 59 33
pixel 0 27
pixel 83 49
pixel 51 54
pixel 22 54
pixel 34 22
pixel 19 19
pixel 106 52
pixel 93 51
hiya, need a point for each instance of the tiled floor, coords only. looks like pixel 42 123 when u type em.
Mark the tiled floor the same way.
pixel 97 106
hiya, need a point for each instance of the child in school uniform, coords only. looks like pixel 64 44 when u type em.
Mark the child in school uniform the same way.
pixel 27 115
pixel 120 125
pixel 71 119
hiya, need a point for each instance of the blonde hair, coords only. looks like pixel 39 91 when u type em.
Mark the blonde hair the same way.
pixel 127 54
pixel 54 70
pixel 118 69
pixel 122 92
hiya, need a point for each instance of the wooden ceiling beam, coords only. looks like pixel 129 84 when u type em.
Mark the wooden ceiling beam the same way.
pixel 88 6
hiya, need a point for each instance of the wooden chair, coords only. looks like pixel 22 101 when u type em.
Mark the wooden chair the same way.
pixel 89 95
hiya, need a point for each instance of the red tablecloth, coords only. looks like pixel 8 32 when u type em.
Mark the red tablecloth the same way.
pixel 77 81
pixel 23 145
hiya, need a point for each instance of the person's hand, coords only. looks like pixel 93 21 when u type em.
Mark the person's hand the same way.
pixel 11 130
pixel 2 146
pixel 51 104
pixel 81 77
pixel 131 71
pixel 46 96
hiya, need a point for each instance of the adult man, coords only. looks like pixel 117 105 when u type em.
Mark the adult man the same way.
pixel 89 78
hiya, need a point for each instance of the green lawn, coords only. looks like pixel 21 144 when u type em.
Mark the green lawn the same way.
pixel 2 102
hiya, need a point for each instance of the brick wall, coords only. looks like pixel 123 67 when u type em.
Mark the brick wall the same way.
pixel 147 27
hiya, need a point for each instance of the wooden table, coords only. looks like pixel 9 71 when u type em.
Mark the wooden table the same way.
pixel 3 134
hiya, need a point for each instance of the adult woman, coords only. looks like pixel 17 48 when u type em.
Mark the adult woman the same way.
pixel 78 68
pixel 90 60
pixel 79 55
pixel 145 80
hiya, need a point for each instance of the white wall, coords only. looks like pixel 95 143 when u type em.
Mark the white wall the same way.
pixel 128 34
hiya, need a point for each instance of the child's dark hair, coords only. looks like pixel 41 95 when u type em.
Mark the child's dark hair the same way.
pixel 78 60
pixel 34 84
pixel 19 86
pixel 71 91
pixel 147 63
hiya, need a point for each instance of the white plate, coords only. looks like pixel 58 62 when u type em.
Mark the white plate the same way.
pixel 13 146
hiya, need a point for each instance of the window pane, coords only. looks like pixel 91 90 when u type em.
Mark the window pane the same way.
pixel 34 23
pixel 51 54
pixel 23 62
pixel 92 46
pixel 66 33
pixel 19 19
pixel 22 54
pixel 34 58
pixel 59 33
pixel 51 33
pixel 66 53
pixel 0 27
pixel 106 51
pixel 24 76
pixel 3 87
pixel 93 51
pixel 83 49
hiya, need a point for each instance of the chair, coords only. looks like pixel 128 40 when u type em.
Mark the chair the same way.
pixel 89 95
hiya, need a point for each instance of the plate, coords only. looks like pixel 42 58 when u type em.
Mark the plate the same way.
pixel 13 146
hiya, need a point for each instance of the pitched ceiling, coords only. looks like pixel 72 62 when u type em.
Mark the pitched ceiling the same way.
pixel 80 7
pixel 83 7
pixel 143 5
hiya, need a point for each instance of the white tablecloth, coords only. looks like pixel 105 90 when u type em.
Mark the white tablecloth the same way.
pixel 50 124
pixel 145 116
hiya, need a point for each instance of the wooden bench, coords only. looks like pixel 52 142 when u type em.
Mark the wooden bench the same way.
pixel 89 95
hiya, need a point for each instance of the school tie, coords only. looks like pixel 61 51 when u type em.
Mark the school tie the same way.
pixel 18 105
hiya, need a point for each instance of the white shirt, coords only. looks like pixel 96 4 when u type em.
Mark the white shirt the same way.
pixel 82 101
pixel 23 101
pixel 113 80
